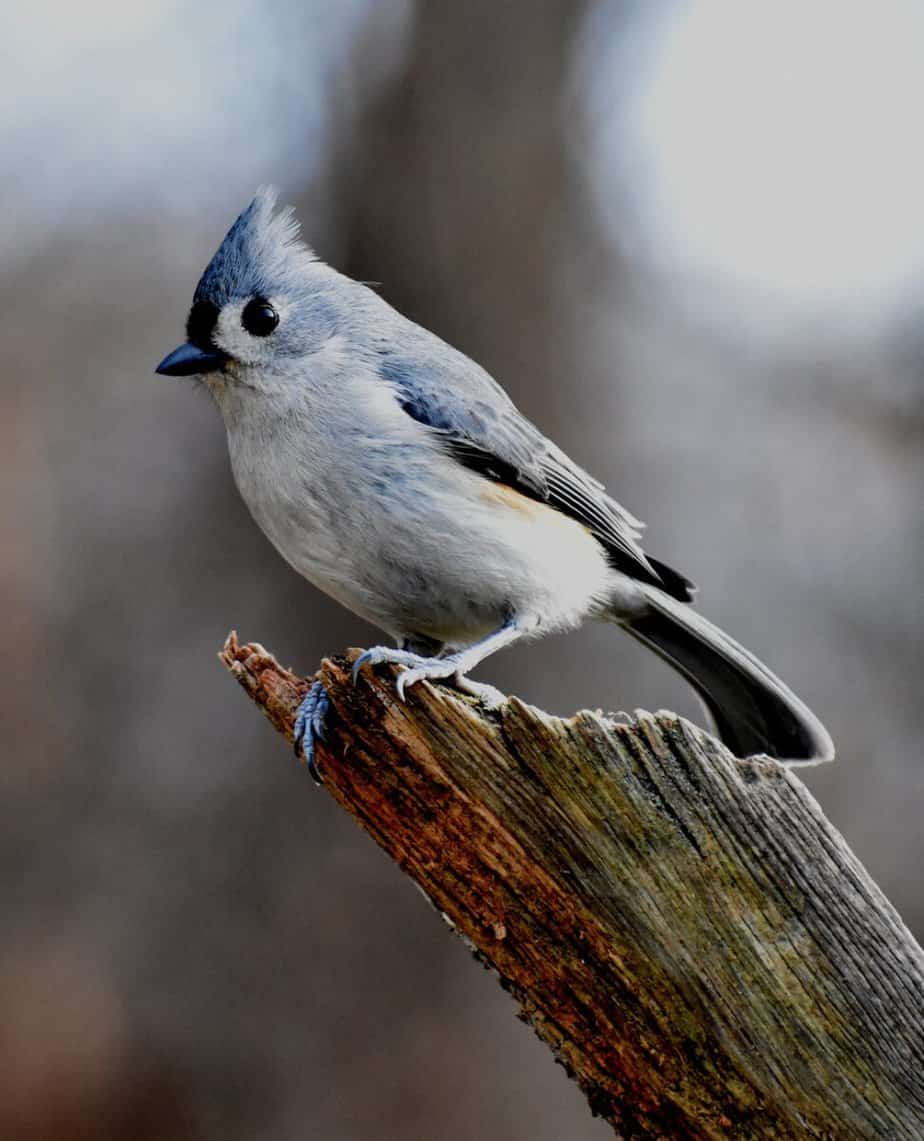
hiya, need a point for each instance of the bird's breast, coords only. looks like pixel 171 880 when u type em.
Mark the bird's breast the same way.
pixel 378 517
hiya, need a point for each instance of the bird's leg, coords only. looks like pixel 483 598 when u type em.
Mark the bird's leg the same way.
pixel 455 665
pixel 309 726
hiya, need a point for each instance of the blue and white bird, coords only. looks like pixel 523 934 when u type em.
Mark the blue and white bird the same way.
pixel 396 475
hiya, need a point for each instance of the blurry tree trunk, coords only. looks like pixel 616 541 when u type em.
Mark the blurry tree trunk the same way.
pixel 686 931
pixel 457 191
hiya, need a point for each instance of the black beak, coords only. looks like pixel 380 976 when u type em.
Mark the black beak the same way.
pixel 190 360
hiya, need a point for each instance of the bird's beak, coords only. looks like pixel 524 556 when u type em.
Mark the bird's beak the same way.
pixel 190 360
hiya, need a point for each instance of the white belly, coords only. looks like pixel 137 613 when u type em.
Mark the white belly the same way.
pixel 426 547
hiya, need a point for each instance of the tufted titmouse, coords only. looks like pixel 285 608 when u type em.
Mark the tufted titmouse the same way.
pixel 396 475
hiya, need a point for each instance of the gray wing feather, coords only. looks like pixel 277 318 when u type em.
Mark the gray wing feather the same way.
pixel 483 428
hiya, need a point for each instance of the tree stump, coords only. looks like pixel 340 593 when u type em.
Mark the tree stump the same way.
pixel 686 931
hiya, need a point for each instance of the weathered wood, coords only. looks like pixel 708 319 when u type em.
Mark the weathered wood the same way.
pixel 687 932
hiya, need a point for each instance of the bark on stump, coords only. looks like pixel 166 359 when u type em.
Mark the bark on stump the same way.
pixel 686 931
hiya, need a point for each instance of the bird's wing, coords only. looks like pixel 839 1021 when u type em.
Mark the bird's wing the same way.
pixel 481 427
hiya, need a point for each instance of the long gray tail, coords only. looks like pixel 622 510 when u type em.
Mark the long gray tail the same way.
pixel 753 711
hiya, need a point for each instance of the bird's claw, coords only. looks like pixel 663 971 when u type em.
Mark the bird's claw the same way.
pixel 379 654
pixel 309 727
pixel 433 670
pixel 419 668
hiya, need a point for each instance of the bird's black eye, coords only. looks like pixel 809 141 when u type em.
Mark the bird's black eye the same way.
pixel 259 317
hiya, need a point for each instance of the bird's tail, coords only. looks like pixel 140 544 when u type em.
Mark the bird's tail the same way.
pixel 753 711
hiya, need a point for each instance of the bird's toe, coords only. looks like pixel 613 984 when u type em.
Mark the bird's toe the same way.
pixel 310 728
pixel 431 670
pixel 376 655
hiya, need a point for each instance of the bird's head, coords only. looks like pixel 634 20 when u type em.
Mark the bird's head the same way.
pixel 264 302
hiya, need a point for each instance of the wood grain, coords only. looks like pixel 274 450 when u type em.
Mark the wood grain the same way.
pixel 686 931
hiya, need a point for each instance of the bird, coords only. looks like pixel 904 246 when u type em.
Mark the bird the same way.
pixel 396 475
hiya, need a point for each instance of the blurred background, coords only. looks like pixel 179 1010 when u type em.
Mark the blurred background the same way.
pixel 687 237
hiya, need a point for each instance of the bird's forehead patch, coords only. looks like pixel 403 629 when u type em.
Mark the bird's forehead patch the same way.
pixel 200 324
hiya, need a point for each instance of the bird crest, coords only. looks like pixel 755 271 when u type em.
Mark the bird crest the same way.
pixel 261 254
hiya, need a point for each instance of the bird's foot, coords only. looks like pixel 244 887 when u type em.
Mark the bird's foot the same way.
pixel 309 727
pixel 379 654
pixel 416 667
pixel 419 668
